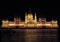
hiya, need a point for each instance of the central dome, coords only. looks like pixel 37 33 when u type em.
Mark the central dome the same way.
pixel 30 14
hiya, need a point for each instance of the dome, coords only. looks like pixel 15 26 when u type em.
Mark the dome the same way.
pixel 30 14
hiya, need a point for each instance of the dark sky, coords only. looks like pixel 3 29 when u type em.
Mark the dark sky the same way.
pixel 18 8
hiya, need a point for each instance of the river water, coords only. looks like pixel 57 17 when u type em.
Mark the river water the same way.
pixel 29 35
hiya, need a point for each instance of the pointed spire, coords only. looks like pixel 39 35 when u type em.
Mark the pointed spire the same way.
pixel 26 17
pixel 29 11
pixel 26 14
pixel 35 14
pixel 35 18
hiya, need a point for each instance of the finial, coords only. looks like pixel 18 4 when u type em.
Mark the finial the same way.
pixel 29 11
pixel 35 12
pixel 26 13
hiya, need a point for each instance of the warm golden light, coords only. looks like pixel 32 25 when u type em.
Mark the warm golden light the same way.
pixel 30 22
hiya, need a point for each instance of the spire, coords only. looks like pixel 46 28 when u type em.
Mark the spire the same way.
pixel 35 18
pixel 25 17
pixel 25 13
pixel 35 15
pixel 29 11
pixel 52 20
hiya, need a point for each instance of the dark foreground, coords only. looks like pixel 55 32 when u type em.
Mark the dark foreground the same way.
pixel 29 35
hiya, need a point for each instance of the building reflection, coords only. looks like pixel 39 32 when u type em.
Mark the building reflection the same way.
pixel 29 35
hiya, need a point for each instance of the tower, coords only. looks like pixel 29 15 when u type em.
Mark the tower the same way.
pixel 5 23
pixel 25 17
pixel 35 18
pixel 19 20
pixel 16 20
pixel 54 24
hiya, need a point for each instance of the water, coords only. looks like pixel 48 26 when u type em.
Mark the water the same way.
pixel 29 35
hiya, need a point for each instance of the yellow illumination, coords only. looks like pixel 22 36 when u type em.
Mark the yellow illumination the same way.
pixel 29 22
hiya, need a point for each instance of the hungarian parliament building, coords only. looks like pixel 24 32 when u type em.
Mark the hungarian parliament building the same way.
pixel 29 22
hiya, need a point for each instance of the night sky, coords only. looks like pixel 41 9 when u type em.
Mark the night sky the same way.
pixel 11 9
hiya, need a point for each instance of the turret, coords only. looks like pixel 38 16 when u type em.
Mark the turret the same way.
pixel 54 23
pixel 42 20
pixel 5 23
pixel 16 20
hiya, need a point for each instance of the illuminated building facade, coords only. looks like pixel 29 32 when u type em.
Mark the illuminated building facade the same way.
pixel 30 22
